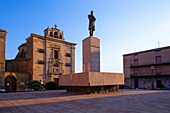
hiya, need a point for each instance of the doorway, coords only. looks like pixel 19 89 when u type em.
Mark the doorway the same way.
pixel 136 82
pixel 56 80
pixel 10 83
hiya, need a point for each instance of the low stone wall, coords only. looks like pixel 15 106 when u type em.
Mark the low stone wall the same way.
pixel 91 82
pixel 91 79
pixel 91 89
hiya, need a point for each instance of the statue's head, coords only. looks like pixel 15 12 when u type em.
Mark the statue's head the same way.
pixel 91 12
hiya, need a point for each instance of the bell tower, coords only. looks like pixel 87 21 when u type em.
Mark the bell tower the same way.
pixel 54 32
pixel 2 55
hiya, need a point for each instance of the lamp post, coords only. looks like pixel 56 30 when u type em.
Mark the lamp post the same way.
pixel 152 68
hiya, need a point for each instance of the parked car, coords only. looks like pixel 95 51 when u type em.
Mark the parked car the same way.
pixel 28 89
pixel 3 90
pixel 140 88
pixel 167 87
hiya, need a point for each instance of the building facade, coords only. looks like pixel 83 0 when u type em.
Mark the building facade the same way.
pixel 43 58
pixel 2 56
pixel 147 69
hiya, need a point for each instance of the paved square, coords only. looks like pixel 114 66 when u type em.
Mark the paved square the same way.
pixel 125 101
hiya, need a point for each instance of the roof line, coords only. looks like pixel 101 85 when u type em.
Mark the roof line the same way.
pixel 160 48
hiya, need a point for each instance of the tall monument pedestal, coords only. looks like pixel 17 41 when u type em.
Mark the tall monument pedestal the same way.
pixel 91 54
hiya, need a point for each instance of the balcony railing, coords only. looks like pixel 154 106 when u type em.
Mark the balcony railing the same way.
pixel 148 65
pixel 154 75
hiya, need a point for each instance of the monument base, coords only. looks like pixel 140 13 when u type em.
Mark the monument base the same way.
pixel 91 89
pixel 91 82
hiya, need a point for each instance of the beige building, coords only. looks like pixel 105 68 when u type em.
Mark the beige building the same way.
pixel 2 56
pixel 44 58
pixel 147 69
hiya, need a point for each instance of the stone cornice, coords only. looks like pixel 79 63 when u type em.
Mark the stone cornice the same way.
pixel 52 39
pixel 25 59
pixel 150 50
pixel 2 30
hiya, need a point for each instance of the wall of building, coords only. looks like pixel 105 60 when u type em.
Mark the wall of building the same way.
pixel 43 70
pixel 22 79
pixel 19 66
pixel 38 68
pixel 147 66
pixel 35 59
pixel 2 55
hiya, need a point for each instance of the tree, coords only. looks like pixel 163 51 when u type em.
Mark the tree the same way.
pixel 51 86
pixel 34 84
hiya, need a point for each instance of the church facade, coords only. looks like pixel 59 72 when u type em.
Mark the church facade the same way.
pixel 43 58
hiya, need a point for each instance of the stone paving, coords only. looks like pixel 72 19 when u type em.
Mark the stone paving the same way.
pixel 125 101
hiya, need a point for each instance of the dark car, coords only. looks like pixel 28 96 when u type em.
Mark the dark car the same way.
pixel 28 89
pixel 3 90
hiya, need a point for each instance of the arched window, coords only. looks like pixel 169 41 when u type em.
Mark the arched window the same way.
pixel 56 54
pixel 51 34
pixel 55 34
pixel 61 36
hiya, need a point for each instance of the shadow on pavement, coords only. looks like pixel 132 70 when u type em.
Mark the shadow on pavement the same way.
pixel 139 102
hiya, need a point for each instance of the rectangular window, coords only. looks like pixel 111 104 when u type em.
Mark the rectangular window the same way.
pixel 56 54
pixel 40 50
pixel 40 62
pixel 68 55
pixel 68 64
pixel 158 59
pixel 157 51
pixel 135 62
pixel 136 54
pixel 135 72
pixel 158 70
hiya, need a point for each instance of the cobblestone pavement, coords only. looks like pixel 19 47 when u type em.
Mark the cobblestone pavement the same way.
pixel 125 101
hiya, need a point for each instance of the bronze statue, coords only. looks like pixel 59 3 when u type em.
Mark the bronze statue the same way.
pixel 92 20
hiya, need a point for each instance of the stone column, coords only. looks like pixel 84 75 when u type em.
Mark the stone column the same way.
pixel 91 54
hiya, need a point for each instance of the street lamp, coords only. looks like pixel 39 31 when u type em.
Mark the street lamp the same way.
pixel 152 68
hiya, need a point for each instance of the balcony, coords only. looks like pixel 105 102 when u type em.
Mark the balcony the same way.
pixel 155 75
pixel 149 65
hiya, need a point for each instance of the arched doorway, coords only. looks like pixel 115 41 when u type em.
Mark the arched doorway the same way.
pixel 10 83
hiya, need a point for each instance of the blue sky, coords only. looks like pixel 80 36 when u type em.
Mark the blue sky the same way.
pixel 123 26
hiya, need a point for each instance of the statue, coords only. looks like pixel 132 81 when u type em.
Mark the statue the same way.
pixel 92 20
